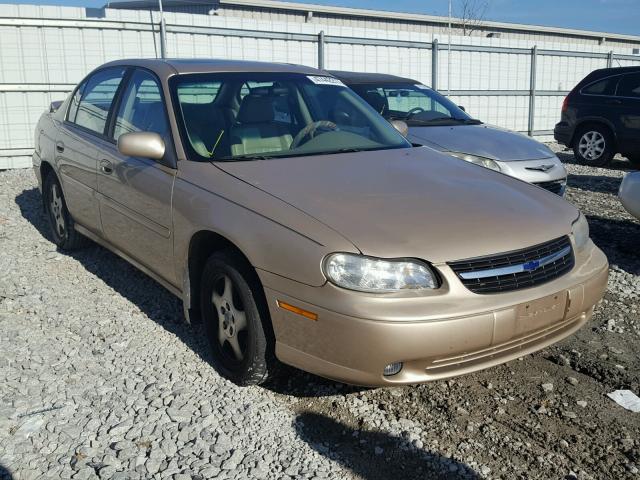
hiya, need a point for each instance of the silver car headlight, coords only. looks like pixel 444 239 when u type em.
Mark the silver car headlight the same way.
pixel 368 274
pixel 482 161
pixel 580 232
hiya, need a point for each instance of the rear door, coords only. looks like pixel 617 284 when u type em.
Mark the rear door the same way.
pixel 77 143
pixel 135 193
pixel 628 94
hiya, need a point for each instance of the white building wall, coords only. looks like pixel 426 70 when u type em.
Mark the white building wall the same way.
pixel 45 51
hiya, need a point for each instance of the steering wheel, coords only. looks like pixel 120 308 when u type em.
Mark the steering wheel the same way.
pixel 310 130
pixel 414 111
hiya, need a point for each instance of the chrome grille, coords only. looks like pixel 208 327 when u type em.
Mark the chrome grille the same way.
pixel 556 186
pixel 518 269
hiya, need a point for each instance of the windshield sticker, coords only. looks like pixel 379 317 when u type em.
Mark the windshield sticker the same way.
pixel 326 81
pixel 422 87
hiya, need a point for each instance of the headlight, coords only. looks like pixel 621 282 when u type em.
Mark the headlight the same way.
pixel 482 161
pixel 367 274
pixel 580 231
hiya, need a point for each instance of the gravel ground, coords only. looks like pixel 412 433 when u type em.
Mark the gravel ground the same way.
pixel 99 378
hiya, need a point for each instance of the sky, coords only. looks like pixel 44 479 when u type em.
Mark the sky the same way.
pixel 615 16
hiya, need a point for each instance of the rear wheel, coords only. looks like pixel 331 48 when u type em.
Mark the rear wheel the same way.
pixel 593 145
pixel 62 225
pixel 235 315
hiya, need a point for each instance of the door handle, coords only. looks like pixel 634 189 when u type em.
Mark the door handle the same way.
pixel 60 147
pixel 106 167
pixel 614 101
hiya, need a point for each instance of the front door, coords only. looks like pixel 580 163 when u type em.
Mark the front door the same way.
pixel 135 193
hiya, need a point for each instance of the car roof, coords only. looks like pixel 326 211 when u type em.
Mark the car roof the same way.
pixel 615 70
pixel 172 66
pixel 354 78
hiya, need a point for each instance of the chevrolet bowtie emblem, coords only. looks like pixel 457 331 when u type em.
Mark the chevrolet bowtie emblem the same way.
pixel 541 168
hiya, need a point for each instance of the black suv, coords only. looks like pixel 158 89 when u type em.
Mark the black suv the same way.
pixel 601 117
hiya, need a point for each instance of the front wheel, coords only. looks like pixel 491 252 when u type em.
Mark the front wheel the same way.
pixel 593 146
pixel 235 316
pixel 62 225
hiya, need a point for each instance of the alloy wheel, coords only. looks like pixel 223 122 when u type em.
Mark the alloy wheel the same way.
pixel 232 320
pixel 592 145
pixel 56 208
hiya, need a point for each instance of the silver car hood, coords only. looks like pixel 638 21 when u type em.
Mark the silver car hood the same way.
pixel 483 140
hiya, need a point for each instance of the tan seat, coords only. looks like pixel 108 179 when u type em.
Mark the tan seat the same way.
pixel 256 131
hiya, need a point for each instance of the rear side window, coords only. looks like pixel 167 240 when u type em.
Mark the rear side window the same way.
pixel 629 85
pixel 606 86
pixel 92 101
pixel 141 108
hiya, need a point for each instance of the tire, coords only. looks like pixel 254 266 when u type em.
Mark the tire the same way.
pixel 593 145
pixel 236 320
pixel 61 223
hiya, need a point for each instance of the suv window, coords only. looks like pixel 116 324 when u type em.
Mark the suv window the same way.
pixel 629 85
pixel 606 86
pixel 92 101
pixel 142 108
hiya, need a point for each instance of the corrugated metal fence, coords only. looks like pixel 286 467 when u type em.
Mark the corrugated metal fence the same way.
pixel 45 51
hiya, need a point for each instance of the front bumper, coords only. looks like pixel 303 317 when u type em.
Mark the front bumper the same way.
pixel 448 333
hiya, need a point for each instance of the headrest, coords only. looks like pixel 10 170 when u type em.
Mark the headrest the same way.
pixel 377 101
pixel 256 109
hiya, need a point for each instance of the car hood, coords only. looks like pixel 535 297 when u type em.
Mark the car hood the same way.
pixel 413 202
pixel 483 140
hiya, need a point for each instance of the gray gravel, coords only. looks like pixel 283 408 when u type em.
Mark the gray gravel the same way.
pixel 100 379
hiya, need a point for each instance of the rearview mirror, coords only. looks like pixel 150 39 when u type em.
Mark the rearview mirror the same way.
pixel 141 144
pixel 401 126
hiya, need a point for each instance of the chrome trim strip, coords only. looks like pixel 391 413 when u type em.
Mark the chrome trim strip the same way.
pixel 511 269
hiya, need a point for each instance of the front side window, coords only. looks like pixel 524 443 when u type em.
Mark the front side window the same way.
pixel 266 115
pixel 142 108
pixel 629 85
pixel 94 101
pixel 416 104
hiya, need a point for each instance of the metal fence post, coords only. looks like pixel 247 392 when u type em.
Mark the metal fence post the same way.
pixel 434 64
pixel 321 50
pixel 610 59
pixel 163 32
pixel 532 90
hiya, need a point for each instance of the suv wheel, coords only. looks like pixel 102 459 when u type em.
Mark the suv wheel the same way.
pixel 62 225
pixel 593 146
pixel 234 312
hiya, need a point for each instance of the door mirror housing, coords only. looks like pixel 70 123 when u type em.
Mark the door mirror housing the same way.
pixel 54 106
pixel 401 126
pixel 462 108
pixel 142 144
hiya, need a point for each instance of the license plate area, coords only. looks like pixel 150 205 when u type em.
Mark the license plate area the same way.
pixel 541 312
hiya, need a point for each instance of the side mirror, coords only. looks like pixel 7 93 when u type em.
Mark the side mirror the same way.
pixel 54 106
pixel 400 126
pixel 462 108
pixel 141 144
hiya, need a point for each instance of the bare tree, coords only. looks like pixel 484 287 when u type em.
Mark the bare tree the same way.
pixel 471 14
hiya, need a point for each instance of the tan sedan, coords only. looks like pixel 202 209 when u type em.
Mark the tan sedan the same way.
pixel 300 226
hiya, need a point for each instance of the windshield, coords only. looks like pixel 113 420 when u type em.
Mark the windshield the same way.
pixel 249 116
pixel 416 104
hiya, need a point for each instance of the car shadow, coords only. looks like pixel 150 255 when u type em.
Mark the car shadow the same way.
pixel 163 307
pixel 5 474
pixel 618 162
pixel 150 297
pixel 375 454
pixel 618 239
pixel 594 183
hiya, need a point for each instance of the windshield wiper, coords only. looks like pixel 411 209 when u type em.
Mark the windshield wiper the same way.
pixel 243 157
